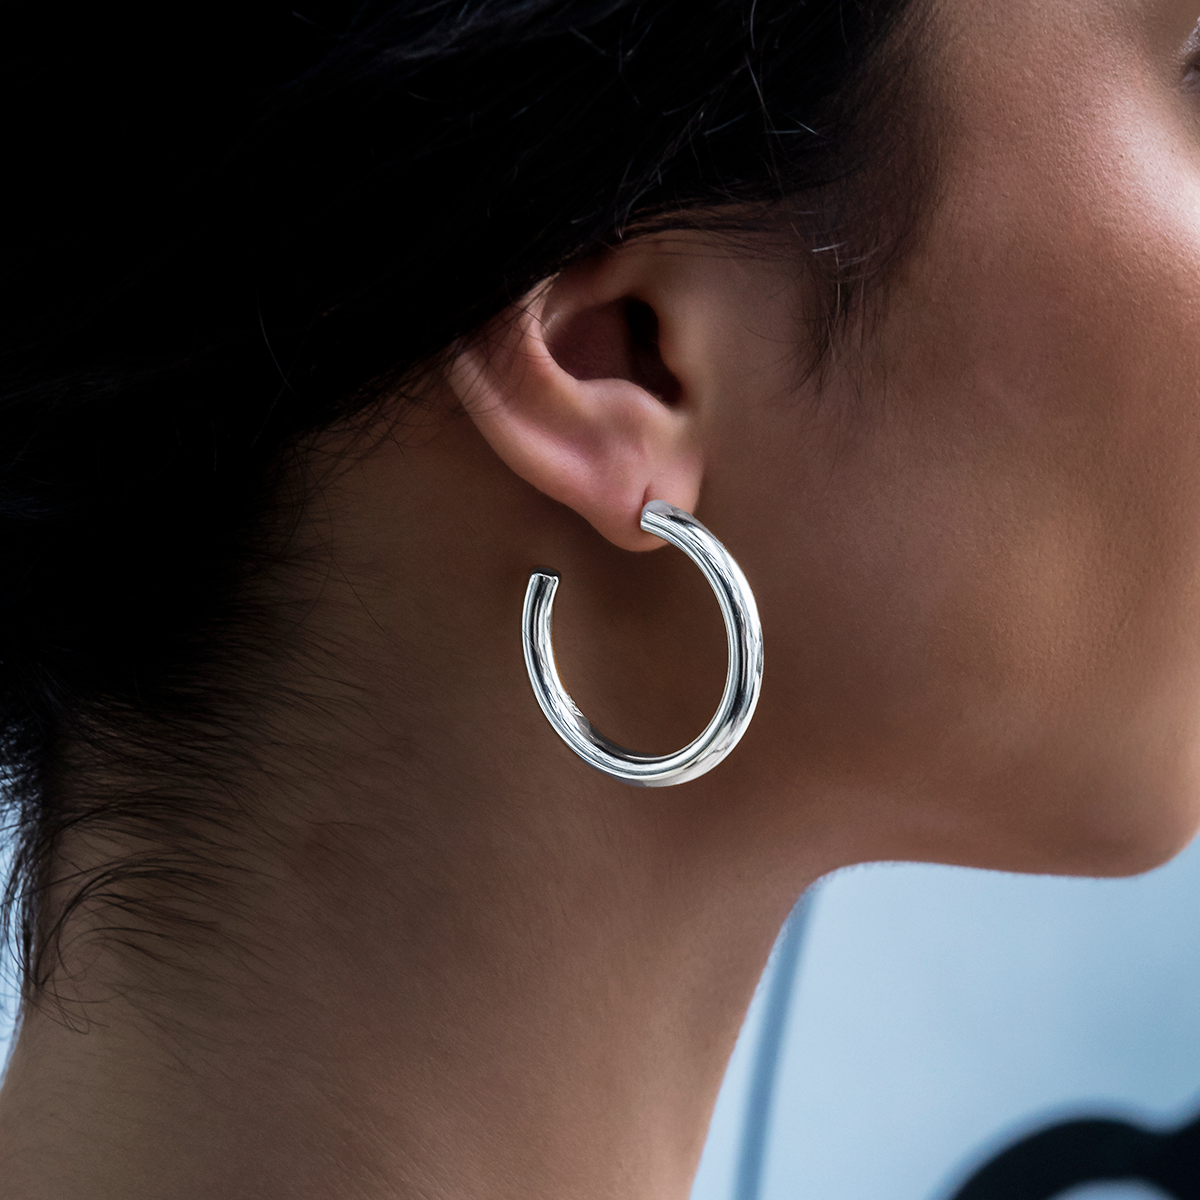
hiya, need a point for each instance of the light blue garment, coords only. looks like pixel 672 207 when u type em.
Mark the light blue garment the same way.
pixel 937 1013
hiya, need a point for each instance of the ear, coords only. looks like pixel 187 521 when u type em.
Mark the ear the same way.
pixel 571 391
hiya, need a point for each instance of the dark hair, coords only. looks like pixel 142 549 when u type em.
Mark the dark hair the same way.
pixel 231 226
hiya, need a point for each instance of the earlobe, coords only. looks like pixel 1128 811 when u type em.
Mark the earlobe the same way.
pixel 574 398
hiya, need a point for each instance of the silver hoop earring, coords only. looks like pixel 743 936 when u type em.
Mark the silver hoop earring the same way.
pixel 742 682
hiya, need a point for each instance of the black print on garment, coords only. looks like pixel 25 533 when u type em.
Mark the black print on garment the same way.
pixel 1050 1161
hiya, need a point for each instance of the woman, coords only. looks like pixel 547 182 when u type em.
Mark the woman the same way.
pixel 326 328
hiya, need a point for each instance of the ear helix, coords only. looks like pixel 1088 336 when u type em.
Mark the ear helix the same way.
pixel 743 681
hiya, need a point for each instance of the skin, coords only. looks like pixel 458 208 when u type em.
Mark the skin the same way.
pixel 459 964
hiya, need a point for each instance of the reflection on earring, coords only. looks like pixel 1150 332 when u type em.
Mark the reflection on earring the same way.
pixel 742 683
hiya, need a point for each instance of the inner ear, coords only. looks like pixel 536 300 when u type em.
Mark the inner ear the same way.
pixel 618 340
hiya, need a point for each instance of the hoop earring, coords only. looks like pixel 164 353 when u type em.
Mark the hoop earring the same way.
pixel 743 680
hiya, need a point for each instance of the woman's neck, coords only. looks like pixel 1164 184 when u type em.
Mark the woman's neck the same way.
pixel 512 1006
pixel 453 962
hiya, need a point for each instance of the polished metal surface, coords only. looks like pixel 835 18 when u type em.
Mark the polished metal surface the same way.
pixel 742 682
